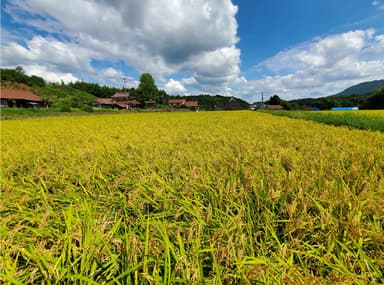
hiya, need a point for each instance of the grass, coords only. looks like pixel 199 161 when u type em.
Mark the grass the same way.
pixel 190 198
pixel 365 120
pixel 25 113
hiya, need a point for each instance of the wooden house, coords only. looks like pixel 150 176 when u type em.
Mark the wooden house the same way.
pixel 19 98
pixel 120 100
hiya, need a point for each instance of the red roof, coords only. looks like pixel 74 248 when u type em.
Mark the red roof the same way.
pixel 133 102
pixel 104 101
pixel 275 107
pixel 191 104
pixel 121 95
pixel 176 101
pixel 19 94
pixel 125 104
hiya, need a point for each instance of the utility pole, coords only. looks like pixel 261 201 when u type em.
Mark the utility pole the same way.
pixel 124 82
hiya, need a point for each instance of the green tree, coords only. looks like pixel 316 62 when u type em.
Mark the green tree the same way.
pixel 377 100
pixel 36 81
pixel 147 88
pixel 274 100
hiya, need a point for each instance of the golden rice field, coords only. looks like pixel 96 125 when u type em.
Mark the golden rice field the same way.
pixel 190 198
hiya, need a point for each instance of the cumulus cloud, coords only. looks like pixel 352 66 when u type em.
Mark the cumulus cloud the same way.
pixel 67 56
pixel 321 67
pixel 48 75
pixel 174 87
pixel 160 37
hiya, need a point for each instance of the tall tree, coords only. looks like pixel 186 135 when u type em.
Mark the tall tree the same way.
pixel 147 88
pixel 274 100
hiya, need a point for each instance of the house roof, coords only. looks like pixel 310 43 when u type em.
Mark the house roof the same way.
pixel 133 102
pixel 275 107
pixel 125 104
pixel 176 101
pixel 104 101
pixel 121 95
pixel 192 104
pixel 19 94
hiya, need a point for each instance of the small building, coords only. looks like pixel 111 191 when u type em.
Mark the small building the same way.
pixel 176 103
pixel 275 107
pixel 193 105
pixel 150 103
pixel 233 104
pixel 127 104
pixel 104 103
pixel 120 100
pixel 184 103
pixel 19 98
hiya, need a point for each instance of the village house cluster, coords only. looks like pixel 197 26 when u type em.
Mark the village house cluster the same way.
pixel 124 100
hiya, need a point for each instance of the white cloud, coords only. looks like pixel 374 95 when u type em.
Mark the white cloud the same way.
pixel 48 75
pixel 53 54
pixel 174 87
pixel 161 37
pixel 322 67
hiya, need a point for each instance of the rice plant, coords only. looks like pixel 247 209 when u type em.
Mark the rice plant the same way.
pixel 190 198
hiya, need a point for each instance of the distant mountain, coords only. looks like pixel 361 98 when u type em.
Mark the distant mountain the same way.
pixel 361 88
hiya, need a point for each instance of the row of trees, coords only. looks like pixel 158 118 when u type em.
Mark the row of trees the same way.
pixel 147 89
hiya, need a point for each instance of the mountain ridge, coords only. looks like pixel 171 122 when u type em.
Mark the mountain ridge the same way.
pixel 360 88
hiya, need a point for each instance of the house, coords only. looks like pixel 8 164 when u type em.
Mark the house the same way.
pixel 233 104
pixel 120 100
pixel 19 98
pixel 104 103
pixel 275 107
pixel 194 105
pixel 127 104
pixel 122 97
pixel 150 103
pixel 176 103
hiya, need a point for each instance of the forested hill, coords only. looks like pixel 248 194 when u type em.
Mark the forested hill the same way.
pixel 361 88
pixel 371 100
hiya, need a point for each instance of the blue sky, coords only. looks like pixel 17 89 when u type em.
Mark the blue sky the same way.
pixel 296 48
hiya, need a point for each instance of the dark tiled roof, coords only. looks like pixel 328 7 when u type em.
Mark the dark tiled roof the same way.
pixel 19 94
